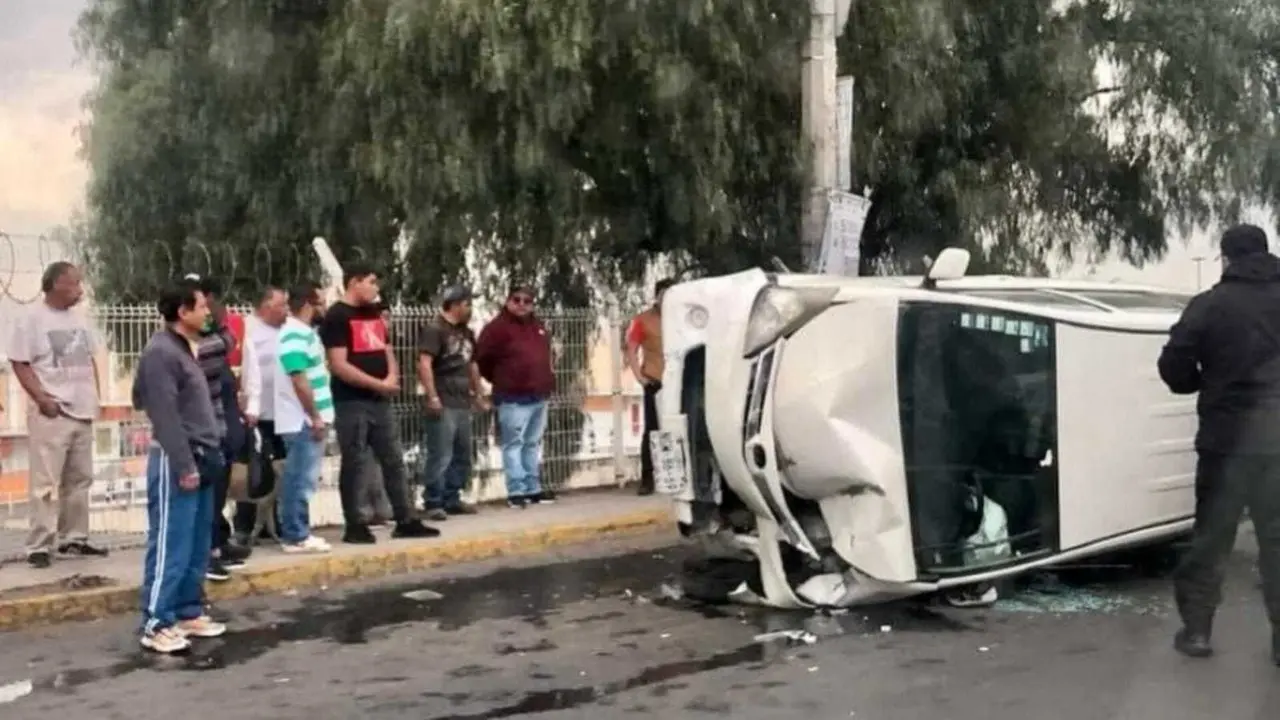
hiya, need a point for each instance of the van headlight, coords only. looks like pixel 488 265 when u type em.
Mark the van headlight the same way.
pixel 779 311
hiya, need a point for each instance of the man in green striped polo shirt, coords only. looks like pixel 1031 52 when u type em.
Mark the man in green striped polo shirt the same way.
pixel 303 407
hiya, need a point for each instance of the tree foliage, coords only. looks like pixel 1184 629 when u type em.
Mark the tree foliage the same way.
pixel 562 141
pixel 573 141
pixel 1038 129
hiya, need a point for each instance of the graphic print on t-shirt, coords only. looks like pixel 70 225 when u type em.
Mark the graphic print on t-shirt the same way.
pixel 69 348
pixel 460 345
pixel 368 335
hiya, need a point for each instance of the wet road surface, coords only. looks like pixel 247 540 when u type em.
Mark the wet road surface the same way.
pixel 596 634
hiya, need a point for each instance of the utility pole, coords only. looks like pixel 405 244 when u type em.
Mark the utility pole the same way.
pixel 818 85
pixel 1199 261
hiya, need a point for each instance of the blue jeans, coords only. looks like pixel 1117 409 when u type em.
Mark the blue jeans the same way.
pixel 179 539
pixel 448 467
pixel 520 428
pixel 298 477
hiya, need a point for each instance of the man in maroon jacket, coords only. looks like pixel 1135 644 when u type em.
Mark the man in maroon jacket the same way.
pixel 514 354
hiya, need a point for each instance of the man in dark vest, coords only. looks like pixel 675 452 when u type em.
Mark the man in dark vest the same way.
pixel 644 358
pixel 1226 347
pixel 213 352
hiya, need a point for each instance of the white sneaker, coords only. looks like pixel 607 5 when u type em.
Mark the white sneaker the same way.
pixel 165 640
pixel 201 627
pixel 312 545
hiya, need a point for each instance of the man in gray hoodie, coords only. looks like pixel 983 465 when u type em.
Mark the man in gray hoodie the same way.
pixel 184 460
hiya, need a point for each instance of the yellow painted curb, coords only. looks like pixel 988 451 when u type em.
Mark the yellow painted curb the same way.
pixel 334 570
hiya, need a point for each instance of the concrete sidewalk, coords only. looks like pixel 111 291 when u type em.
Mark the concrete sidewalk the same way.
pixel 79 589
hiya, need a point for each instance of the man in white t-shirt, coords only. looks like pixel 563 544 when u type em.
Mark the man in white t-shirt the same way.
pixel 53 351
pixel 257 383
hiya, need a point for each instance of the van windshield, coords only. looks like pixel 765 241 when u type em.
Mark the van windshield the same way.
pixel 979 431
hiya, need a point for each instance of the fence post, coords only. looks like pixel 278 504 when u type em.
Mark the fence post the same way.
pixel 615 380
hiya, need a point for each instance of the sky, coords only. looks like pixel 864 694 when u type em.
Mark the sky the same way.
pixel 42 178
pixel 41 86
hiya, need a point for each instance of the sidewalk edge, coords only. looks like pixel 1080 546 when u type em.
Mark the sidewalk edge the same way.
pixel 334 570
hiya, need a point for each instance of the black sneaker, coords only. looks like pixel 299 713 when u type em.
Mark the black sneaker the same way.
pixel 234 555
pixel 546 497
pixel 39 559
pixel 1192 644
pixel 217 572
pixel 81 548
pixel 460 509
pixel 518 503
pixel 644 491
pixel 414 529
pixel 436 514
pixel 358 535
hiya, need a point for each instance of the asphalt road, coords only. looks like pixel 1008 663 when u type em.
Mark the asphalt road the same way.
pixel 595 635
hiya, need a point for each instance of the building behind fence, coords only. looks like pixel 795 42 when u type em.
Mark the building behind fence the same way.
pixel 592 440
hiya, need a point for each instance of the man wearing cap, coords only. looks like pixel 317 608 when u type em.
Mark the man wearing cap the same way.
pixel 513 353
pixel 1226 347
pixel 451 388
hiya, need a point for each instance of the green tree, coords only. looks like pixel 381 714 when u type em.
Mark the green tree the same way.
pixel 1038 129
pixel 211 151
pixel 579 139
pixel 560 141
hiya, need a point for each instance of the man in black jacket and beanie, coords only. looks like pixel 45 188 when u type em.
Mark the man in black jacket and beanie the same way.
pixel 1226 347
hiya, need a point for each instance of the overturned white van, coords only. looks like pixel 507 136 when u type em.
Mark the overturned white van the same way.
pixel 864 439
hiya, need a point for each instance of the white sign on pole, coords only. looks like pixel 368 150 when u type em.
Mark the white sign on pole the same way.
pixel 844 133
pixel 842 15
pixel 841 241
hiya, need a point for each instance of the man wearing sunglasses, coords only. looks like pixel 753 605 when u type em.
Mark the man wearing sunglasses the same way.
pixel 513 353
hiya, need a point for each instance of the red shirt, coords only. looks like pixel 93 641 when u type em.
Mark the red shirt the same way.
pixel 514 355
pixel 635 332
pixel 235 325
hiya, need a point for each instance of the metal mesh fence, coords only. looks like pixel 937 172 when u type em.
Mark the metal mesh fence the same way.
pixel 592 438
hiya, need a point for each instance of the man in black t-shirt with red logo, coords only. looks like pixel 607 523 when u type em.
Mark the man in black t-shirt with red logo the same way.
pixel 365 378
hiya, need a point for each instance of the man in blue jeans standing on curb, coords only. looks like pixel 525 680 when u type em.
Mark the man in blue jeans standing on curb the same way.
pixel 303 407
pixel 451 386
pixel 184 460
pixel 514 355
